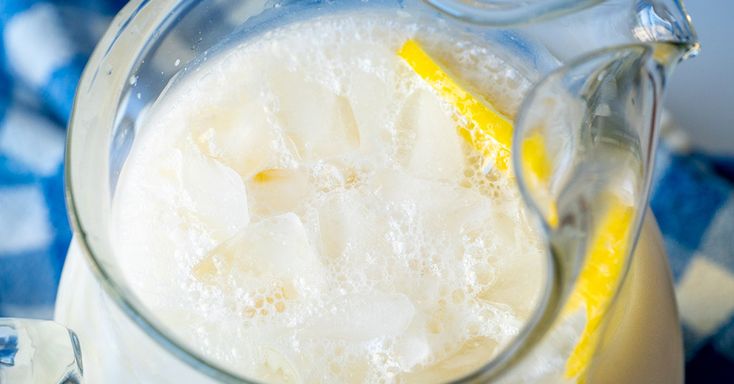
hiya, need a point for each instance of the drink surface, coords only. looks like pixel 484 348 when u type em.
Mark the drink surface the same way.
pixel 301 208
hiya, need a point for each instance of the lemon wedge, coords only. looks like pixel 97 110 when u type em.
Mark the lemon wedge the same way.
pixel 491 133
pixel 484 128
pixel 536 166
pixel 599 279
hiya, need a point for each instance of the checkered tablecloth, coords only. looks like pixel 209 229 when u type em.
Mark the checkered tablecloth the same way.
pixel 43 48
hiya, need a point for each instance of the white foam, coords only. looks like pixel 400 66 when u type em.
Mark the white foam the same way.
pixel 304 206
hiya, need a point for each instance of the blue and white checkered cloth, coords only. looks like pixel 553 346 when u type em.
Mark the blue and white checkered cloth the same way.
pixel 43 48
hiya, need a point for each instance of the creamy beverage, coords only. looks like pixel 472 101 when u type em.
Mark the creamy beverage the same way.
pixel 307 206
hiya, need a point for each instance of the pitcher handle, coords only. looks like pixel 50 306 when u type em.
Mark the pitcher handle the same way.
pixel 38 351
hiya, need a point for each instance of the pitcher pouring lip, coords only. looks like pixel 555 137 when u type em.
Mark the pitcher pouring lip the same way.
pixel 666 21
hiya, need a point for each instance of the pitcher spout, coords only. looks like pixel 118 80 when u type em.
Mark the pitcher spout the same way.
pixel 583 152
pixel 666 23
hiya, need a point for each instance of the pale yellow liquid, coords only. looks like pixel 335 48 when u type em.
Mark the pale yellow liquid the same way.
pixel 300 208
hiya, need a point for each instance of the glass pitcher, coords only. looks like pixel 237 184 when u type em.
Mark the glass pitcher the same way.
pixel 582 151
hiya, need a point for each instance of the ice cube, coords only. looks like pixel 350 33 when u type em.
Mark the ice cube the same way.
pixel 236 132
pixel 351 221
pixel 343 219
pixel 215 193
pixel 319 121
pixel 446 208
pixel 432 144
pixel 276 248
pixel 372 102
pixel 412 350
pixel 276 191
pixel 275 367
pixel 334 229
